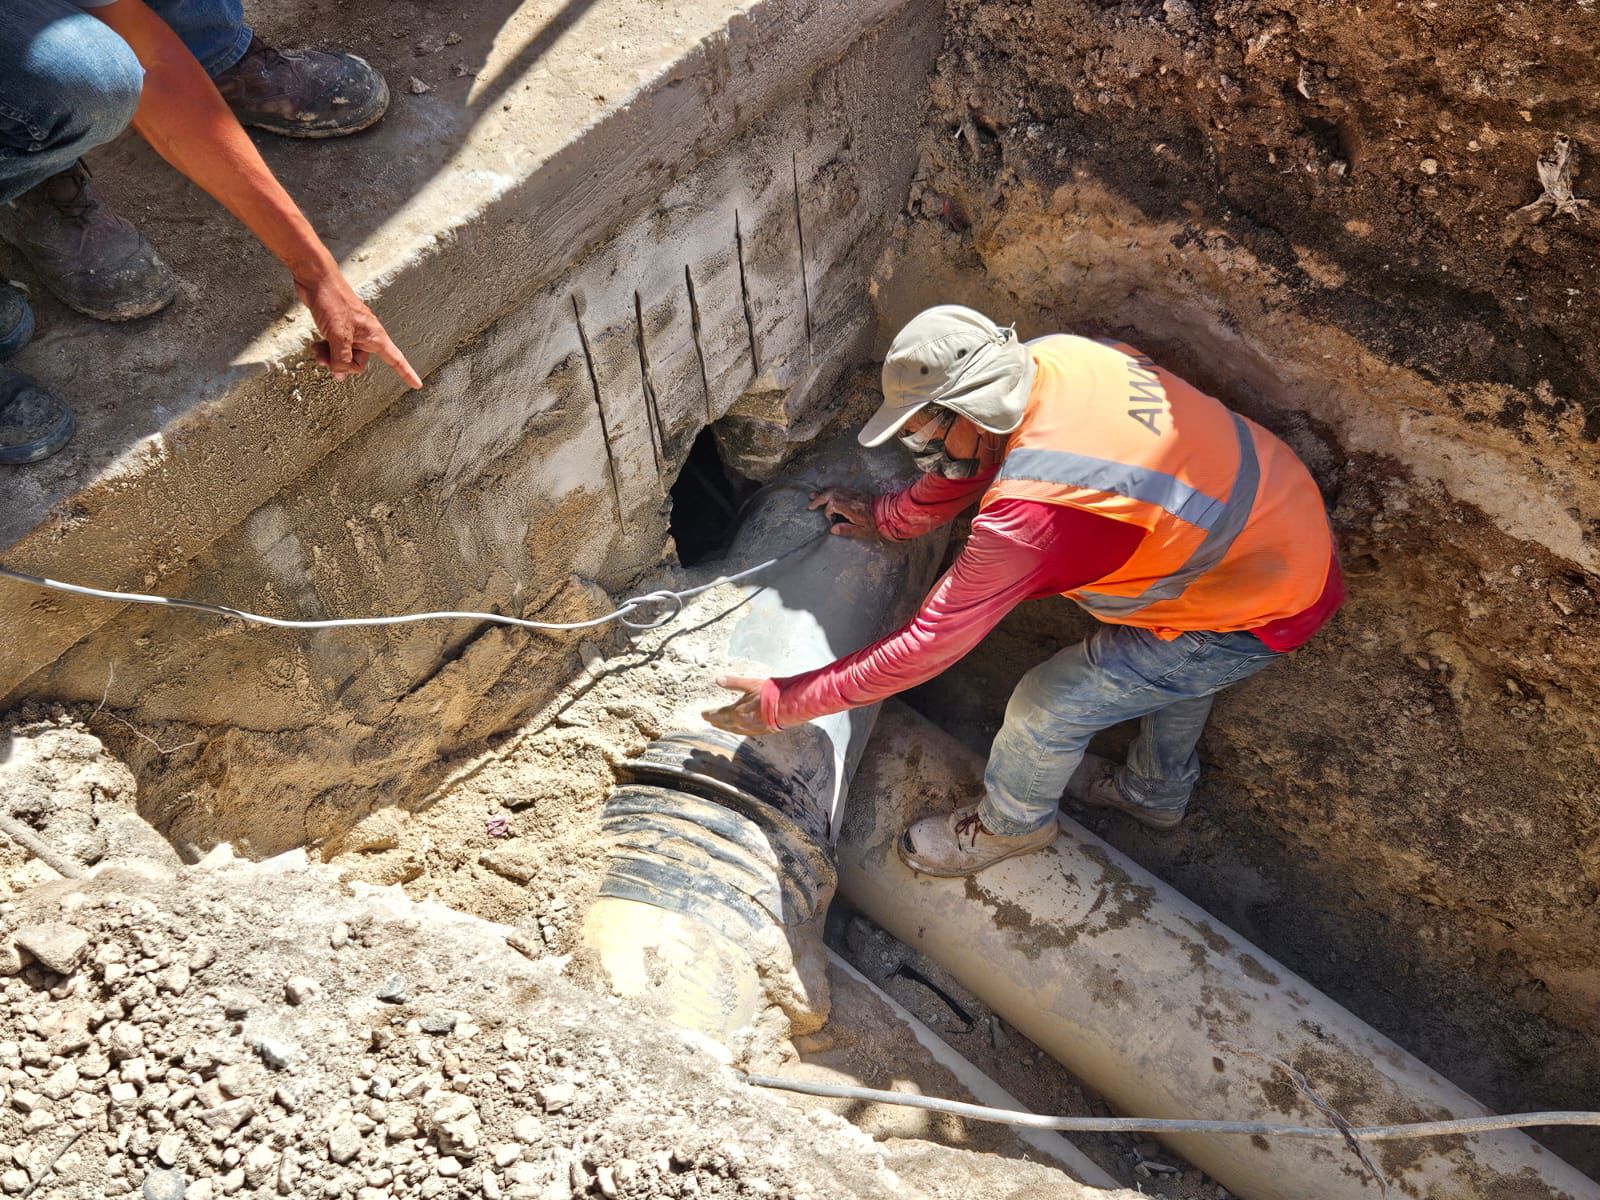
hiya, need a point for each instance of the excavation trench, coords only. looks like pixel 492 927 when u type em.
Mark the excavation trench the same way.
pixel 1157 1005
pixel 1403 813
pixel 527 831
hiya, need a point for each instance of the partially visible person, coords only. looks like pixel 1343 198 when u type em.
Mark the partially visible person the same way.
pixel 185 74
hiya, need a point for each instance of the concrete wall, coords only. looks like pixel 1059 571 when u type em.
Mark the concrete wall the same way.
pixel 492 487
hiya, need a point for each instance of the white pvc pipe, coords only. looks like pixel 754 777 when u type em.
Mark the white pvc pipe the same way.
pixel 1146 998
pixel 985 1090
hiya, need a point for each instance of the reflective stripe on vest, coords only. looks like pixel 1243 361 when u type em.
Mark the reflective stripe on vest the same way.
pixel 1102 475
pixel 1223 522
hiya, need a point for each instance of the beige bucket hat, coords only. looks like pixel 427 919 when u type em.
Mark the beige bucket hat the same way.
pixel 959 359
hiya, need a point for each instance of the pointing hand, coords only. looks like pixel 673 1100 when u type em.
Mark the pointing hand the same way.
pixel 351 331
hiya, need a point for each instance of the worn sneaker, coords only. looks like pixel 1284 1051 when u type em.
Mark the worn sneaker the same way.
pixel 303 93
pixel 33 423
pixel 1095 784
pixel 957 843
pixel 16 320
pixel 92 259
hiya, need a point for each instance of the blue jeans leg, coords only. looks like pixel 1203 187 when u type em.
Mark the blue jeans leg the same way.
pixel 1164 761
pixel 67 84
pixel 1118 673
pixel 214 30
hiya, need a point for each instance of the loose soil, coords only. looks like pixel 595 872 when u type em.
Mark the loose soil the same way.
pixel 275 1028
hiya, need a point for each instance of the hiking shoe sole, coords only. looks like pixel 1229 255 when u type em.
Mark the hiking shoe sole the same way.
pixel 1145 816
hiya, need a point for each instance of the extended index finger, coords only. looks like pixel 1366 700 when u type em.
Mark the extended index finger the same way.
pixel 385 349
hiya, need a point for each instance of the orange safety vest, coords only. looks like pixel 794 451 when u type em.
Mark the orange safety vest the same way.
pixel 1237 533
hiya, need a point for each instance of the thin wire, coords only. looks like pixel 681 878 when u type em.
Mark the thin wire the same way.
pixel 623 614
pixel 1005 1116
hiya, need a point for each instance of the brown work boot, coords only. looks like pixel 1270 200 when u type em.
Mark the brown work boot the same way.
pixel 957 843
pixel 303 93
pixel 1095 784
pixel 88 256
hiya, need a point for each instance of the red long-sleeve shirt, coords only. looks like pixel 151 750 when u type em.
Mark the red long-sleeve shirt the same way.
pixel 1019 550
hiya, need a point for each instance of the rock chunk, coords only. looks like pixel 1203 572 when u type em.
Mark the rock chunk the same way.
pixel 125 1041
pixel 61 1084
pixel 260 1165
pixel 454 1123
pixel 275 1052
pixel 233 1079
pixel 228 1117
pixel 554 1097
pixel 56 946
pixel 165 1185
pixel 439 1023
pixel 344 1141
pixel 174 979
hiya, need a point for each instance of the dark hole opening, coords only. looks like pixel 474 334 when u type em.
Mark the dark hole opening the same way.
pixel 705 502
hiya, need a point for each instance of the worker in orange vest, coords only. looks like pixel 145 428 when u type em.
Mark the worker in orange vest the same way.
pixel 1195 537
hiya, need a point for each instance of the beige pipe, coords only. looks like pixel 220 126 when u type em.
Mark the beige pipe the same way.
pixel 1141 993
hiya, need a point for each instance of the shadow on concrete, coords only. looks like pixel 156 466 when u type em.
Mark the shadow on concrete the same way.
pixel 446 71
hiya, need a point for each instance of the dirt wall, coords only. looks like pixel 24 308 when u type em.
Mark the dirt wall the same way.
pixel 1318 213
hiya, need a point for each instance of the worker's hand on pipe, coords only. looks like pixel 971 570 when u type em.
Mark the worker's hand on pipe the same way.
pixel 351 332
pixel 743 716
pixel 849 510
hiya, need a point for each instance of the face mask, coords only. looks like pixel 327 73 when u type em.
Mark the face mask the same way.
pixel 935 460
pixel 928 450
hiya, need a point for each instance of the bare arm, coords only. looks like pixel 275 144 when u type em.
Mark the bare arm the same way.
pixel 181 115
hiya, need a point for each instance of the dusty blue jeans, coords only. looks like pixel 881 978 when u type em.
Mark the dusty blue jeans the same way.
pixel 1117 673
pixel 69 84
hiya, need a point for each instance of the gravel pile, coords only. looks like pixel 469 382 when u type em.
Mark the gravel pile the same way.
pixel 265 1029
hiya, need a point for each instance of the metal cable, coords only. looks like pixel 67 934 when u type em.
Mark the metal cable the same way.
pixel 622 614
pixel 1002 1116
